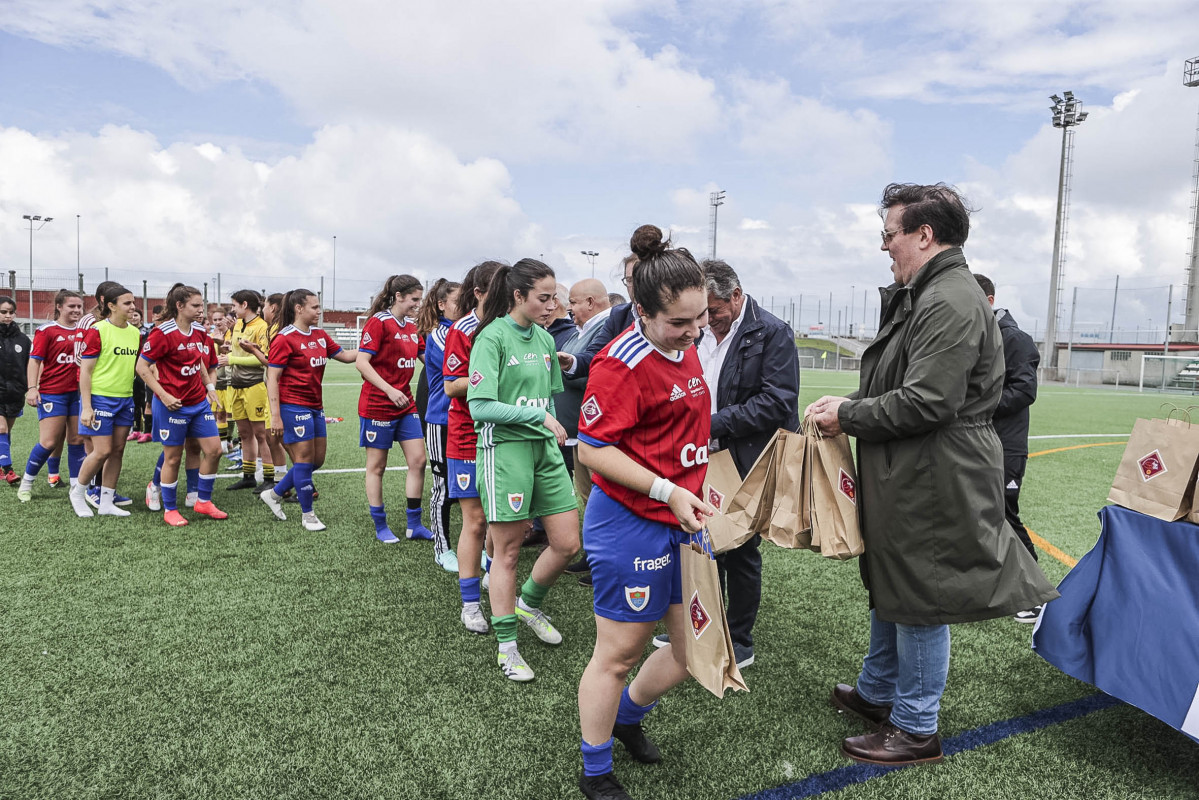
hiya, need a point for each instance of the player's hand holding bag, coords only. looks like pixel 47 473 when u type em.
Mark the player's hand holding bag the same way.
pixel 709 647
pixel 790 524
pixel 833 504
pixel 1156 476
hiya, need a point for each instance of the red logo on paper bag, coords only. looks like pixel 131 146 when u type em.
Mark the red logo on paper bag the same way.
pixel 715 498
pixel 700 619
pixel 847 486
pixel 1152 466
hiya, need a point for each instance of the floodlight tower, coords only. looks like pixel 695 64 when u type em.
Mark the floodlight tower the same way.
pixel 591 256
pixel 1067 114
pixel 32 218
pixel 1190 77
pixel 716 199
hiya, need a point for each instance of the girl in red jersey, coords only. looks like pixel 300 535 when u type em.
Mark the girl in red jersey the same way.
pixel 460 445
pixel 184 396
pixel 643 431
pixel 298 354
pixel 387 357
pixel 54 390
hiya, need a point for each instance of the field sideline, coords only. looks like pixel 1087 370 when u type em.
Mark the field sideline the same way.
pixel 250 659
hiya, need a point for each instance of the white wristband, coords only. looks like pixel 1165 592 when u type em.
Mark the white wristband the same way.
pixel 661 490
pixel 210 387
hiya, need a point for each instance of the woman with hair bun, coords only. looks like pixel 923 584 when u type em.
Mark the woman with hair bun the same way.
pixel 643 431
pixel 387 357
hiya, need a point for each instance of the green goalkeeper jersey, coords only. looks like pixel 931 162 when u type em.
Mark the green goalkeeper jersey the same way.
pixel 518 367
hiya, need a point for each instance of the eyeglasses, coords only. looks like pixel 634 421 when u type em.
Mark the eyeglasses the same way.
pixel 626 281
pixel 889 235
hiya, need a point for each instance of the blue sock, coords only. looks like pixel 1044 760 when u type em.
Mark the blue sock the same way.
pixel 75 456
pixel 205 489
pixel 414 518
pixel 5 450
pixel 597 759
pixel 469 589
pixel 286 484
pixel 193 480
pixel 380 518
pixel 37 457
pixel 304 486
pixel 53 464
pixel 157 479
pixel 629 712
pixel 169 498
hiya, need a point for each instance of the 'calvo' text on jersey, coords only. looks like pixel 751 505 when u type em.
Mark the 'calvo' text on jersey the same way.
pixel 693 456
pixel 538 402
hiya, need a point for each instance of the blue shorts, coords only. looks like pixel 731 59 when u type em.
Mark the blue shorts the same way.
pixel 302 424
pixel 189 422
pixel 380 434
pixel 634 561
pixel 111 412
pixel 58 405
pixel 463 482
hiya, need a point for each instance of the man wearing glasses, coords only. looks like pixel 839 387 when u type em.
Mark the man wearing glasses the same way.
pixel 930 478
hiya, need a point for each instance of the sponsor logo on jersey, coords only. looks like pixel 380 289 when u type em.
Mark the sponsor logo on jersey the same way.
pixel 298 429
pixel 847 487
pixel 453 362
pixel 181 347
pixel 463 481
pixel 476 378
pixel 536 402
pixel 651 564
pixel 146 347
pixel 637 597
pixel 371 435
pixel 696 387
pixel 176 421
pixel 700 618
pixel 715 498
pixel 676 393
pixel 513 361
pixel 60 339
pixel 1151 466
pixel 692 456
pixel 65 358
pixel 548 366
pixel 516 500
pixel 124 351
pixel 317 361
pixel 406 363
pixel 366 338
pixel 591 411
pixel 187 372
pixel 530 357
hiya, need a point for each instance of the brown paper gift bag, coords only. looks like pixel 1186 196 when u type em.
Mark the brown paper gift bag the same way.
pixel 790 520
pixel 709 647
pixel 1156 475
pixel 747 505
pixel 833 503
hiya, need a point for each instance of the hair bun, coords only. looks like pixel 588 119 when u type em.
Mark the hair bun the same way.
pixel 647 242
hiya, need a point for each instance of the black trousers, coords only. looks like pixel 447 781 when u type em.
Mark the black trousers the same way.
pixel 139 406
pixel 1013 479
pixel 741 583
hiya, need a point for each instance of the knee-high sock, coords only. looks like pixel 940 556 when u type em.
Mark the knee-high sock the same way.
pixel 37 457
pixel 75 456
pixel 5 450
pixel 205 488
pixel 304 486
pixel 157 479
pixel 193 480
pixel 53 464
pixel 170 500
pixel 287 483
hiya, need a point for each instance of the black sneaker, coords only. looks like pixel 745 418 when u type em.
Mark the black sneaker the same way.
pixel 744 655
pixel 635 742
pixel 586 580
pixel 262 487
pixel 602 787
pixel 579 567
pixel 1029 616
pixel 246 482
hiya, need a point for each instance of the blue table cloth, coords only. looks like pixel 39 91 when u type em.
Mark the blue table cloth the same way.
pixel 1128 618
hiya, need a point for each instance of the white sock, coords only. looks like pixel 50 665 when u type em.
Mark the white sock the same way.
pixel 472 607
pixel 74 482
pixel 508 647
pixel 106 496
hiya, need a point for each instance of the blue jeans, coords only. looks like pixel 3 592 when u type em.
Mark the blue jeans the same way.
pixel 906 668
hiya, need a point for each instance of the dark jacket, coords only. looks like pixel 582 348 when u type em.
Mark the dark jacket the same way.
pixel 930 467
pixel 563 330
pixel 1020 361
pixel 570 399
pixel 758 389
pixel 14 358
pixel 621 318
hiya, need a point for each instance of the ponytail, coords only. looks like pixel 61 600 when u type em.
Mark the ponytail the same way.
pixel 430 315
pixel 479 277
pixel 179 293
pixel 287 311
pixel 395 285
pixel 506 283
pixel 107 293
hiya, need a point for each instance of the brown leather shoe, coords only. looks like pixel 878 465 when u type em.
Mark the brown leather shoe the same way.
pixel 891 747
pixel 847 699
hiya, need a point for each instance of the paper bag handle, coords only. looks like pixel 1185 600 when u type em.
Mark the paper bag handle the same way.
pixel 1173 408
pixel 808 428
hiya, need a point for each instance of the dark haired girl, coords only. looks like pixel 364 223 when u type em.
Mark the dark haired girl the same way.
pixel 14 360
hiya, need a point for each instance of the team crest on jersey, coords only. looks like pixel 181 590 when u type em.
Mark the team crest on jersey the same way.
pixel 1152 466
pixel 591 411
pixel 715 498
pixel 513 361
pixel 548 366
pixel 146 347
pixel 700 618
pixel 453 362
pixel 637 597
pixel 476 378
pixel 370 435
pixel 48 407
pixel 366 338
pixel 676 393
pixel 463 481
pixel 299 429
pixel 516 500
pixel 847 486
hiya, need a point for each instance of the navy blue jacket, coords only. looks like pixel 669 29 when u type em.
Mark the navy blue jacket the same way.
pixel 1020 360
pixel 758 389
pixel 620 319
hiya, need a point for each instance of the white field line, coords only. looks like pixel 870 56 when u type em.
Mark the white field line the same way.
pixel 322 472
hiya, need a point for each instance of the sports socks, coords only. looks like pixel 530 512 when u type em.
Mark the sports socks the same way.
pixel 75 456
pixel 157 479
pixel 223 432
pixel 303 484
pixel 248 469
pixel 469 589
pixel 37 457
pixel 533 593
pixel 414 513
pixel 379 516
pixel 5 451
pixel 53 464
pixel 287 483
pixel 505 631
pixel 169 499
pixel 629 713
pixel 268 472
pixel 597 758
pixel 193 480
pixel 205 487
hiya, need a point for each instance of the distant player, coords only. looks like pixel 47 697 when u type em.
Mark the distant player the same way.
pixel 298 354
pixel 514 374
pixel 14 361
pixel 184 394
pixel 460 444
pixel 643 431
pixel 53 376
pixel 387 358
pixel 249 406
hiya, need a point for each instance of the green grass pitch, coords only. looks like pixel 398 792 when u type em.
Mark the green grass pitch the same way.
pixel 250 659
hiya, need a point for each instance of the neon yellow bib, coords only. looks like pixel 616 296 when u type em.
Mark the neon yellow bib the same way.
pixel 119 347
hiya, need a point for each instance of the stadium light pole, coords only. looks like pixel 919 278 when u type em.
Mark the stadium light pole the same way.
pixel 333 305
pixel 1067 114
pixel 716 199
pixel 591 255
pixel 32 219
pixel 1190 77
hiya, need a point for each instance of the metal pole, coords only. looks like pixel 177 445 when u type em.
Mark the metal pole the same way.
pixel 1169 310
pixel 30 274
pixel 1070 340
pixel 78 263
pixel 1115 295
pixel 205 298
pixel 797 320
pixel 145 303
pixel 334 303
pixel 849 318
pixel 321 291
pixel 1050 355
pixel 218 288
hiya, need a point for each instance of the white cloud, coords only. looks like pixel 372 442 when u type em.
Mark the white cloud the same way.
pixel 748 224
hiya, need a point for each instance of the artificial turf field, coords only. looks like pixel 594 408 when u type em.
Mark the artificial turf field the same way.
pixel 250 659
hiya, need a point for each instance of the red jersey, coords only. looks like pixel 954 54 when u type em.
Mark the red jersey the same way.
pixel 460 429
pixel 655 410
pixel 55 346
pixel 302 358
pixel 394 346
pixel 179 356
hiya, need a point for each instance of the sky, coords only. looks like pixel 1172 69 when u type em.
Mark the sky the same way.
pixel 186 141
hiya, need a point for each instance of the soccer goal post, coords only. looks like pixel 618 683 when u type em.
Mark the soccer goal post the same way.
pixel 1169 373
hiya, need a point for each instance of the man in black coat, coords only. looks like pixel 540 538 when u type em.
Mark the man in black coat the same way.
pixel 1020 359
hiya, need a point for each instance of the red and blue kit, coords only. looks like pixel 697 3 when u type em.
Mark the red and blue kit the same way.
pixel 302 358
pixel 56 347
pixel 395 348
pixel 460 428
pixel 179 357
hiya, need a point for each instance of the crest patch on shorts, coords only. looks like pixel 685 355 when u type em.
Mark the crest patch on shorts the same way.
pixel 463 481
pixel 47 407
pixel 299 429
pixel 164 434
pixel 516 500
pixel 637 597
pixel 370 435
